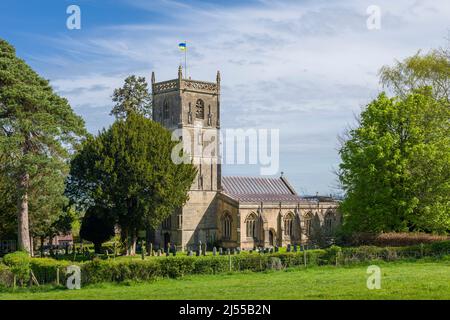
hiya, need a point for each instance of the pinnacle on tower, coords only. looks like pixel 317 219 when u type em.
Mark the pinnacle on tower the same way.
pixel 180 72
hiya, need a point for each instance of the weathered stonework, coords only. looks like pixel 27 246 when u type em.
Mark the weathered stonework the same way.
pixel 213 214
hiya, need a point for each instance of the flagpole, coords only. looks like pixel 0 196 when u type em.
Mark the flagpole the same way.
pixel 185 59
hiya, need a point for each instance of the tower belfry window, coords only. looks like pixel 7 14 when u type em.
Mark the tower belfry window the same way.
pixel 200 109
pixel 166 110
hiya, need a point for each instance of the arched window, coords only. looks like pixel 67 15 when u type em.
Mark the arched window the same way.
pixel 166 110
pixel 167 223
pixel 308 223
pixel 226 226
pixel 288 224
pixel 250 224
pixel 329 222
pixel 200 109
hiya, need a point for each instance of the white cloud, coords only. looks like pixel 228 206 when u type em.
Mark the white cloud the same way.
pixel 304 67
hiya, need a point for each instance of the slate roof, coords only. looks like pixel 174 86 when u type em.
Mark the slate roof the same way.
pixel 258 189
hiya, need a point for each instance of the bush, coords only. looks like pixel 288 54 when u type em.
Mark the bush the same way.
pixel 46 269
pixel 125 269
pixel 6 276
pixel 19 264
pixel 392 239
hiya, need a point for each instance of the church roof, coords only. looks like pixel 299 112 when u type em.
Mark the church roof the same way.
pixel 258 189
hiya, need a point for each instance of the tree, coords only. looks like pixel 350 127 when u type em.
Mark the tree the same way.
pixel 133 97
pixel 395 166
pixel 8 214
pixel 38 130
pixel 432 69
pixel 128 169
pixel 97 226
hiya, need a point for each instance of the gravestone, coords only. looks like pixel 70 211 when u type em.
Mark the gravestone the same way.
pixel 238 250
pixel 204 249
pixel 295 248
pixel 288 249
pixel 214 251
pixel 190 253
pixel 228 251
pixel 220 251
pixel 276 249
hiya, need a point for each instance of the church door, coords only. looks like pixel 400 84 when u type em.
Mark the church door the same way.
pixel 166 240
pixel 271 236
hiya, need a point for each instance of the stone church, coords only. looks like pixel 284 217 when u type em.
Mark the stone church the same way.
pixel 230 212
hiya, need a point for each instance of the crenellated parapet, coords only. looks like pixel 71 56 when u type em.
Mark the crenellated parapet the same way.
pixel 165 86
pixel 200 86
pixel 185 84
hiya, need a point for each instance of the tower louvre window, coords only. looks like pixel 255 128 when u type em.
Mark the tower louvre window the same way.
pixel 166 110
pixel 200 109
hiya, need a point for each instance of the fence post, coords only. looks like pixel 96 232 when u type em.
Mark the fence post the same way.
pixel 229 258
pixel 304 258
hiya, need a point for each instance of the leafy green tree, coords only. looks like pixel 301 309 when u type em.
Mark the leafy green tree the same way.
pixel 395 166
pixel 38 130
pixel 128 169
pixel 8 214
pixel 431 69
pixel 97 226
pixel 133 97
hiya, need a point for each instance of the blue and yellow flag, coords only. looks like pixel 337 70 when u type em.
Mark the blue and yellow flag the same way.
pixel 182 46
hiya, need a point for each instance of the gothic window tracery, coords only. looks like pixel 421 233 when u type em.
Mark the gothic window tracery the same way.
pixel 308 223
pixel 288 224
pixel 251 225
pixel 200 109
pixel 166 110
pixel 328 222
pixel 226 226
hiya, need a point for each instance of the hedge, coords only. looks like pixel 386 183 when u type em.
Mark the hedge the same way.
pixel 392 239
pixel 6 276
pixel 19 264
pixel 95 271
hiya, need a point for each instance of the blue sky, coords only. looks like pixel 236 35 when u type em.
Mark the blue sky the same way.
pixel 305 67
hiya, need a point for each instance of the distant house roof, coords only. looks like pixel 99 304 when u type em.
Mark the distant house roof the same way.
pixel 257 189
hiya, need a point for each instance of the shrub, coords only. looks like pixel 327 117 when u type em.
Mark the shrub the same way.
pixel 6 276
pixel 333 254
pixel 392 239
pixel 274 264
pixel 19 264
pixel 127 270
pixel 46 269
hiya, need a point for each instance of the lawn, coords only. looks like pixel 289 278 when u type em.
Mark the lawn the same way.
pixel 400 280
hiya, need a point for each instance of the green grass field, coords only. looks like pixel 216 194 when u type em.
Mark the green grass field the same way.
pixel 400 280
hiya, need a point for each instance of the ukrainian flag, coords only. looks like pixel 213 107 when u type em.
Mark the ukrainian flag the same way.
pixel 182 46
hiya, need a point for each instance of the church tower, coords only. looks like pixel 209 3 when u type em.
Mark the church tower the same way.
pixel 193 109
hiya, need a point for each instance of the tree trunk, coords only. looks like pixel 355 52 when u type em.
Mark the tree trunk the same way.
pixel 148 240
pixel 42 246
pixel 32 245
pixel 133 242
pixel 23 231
